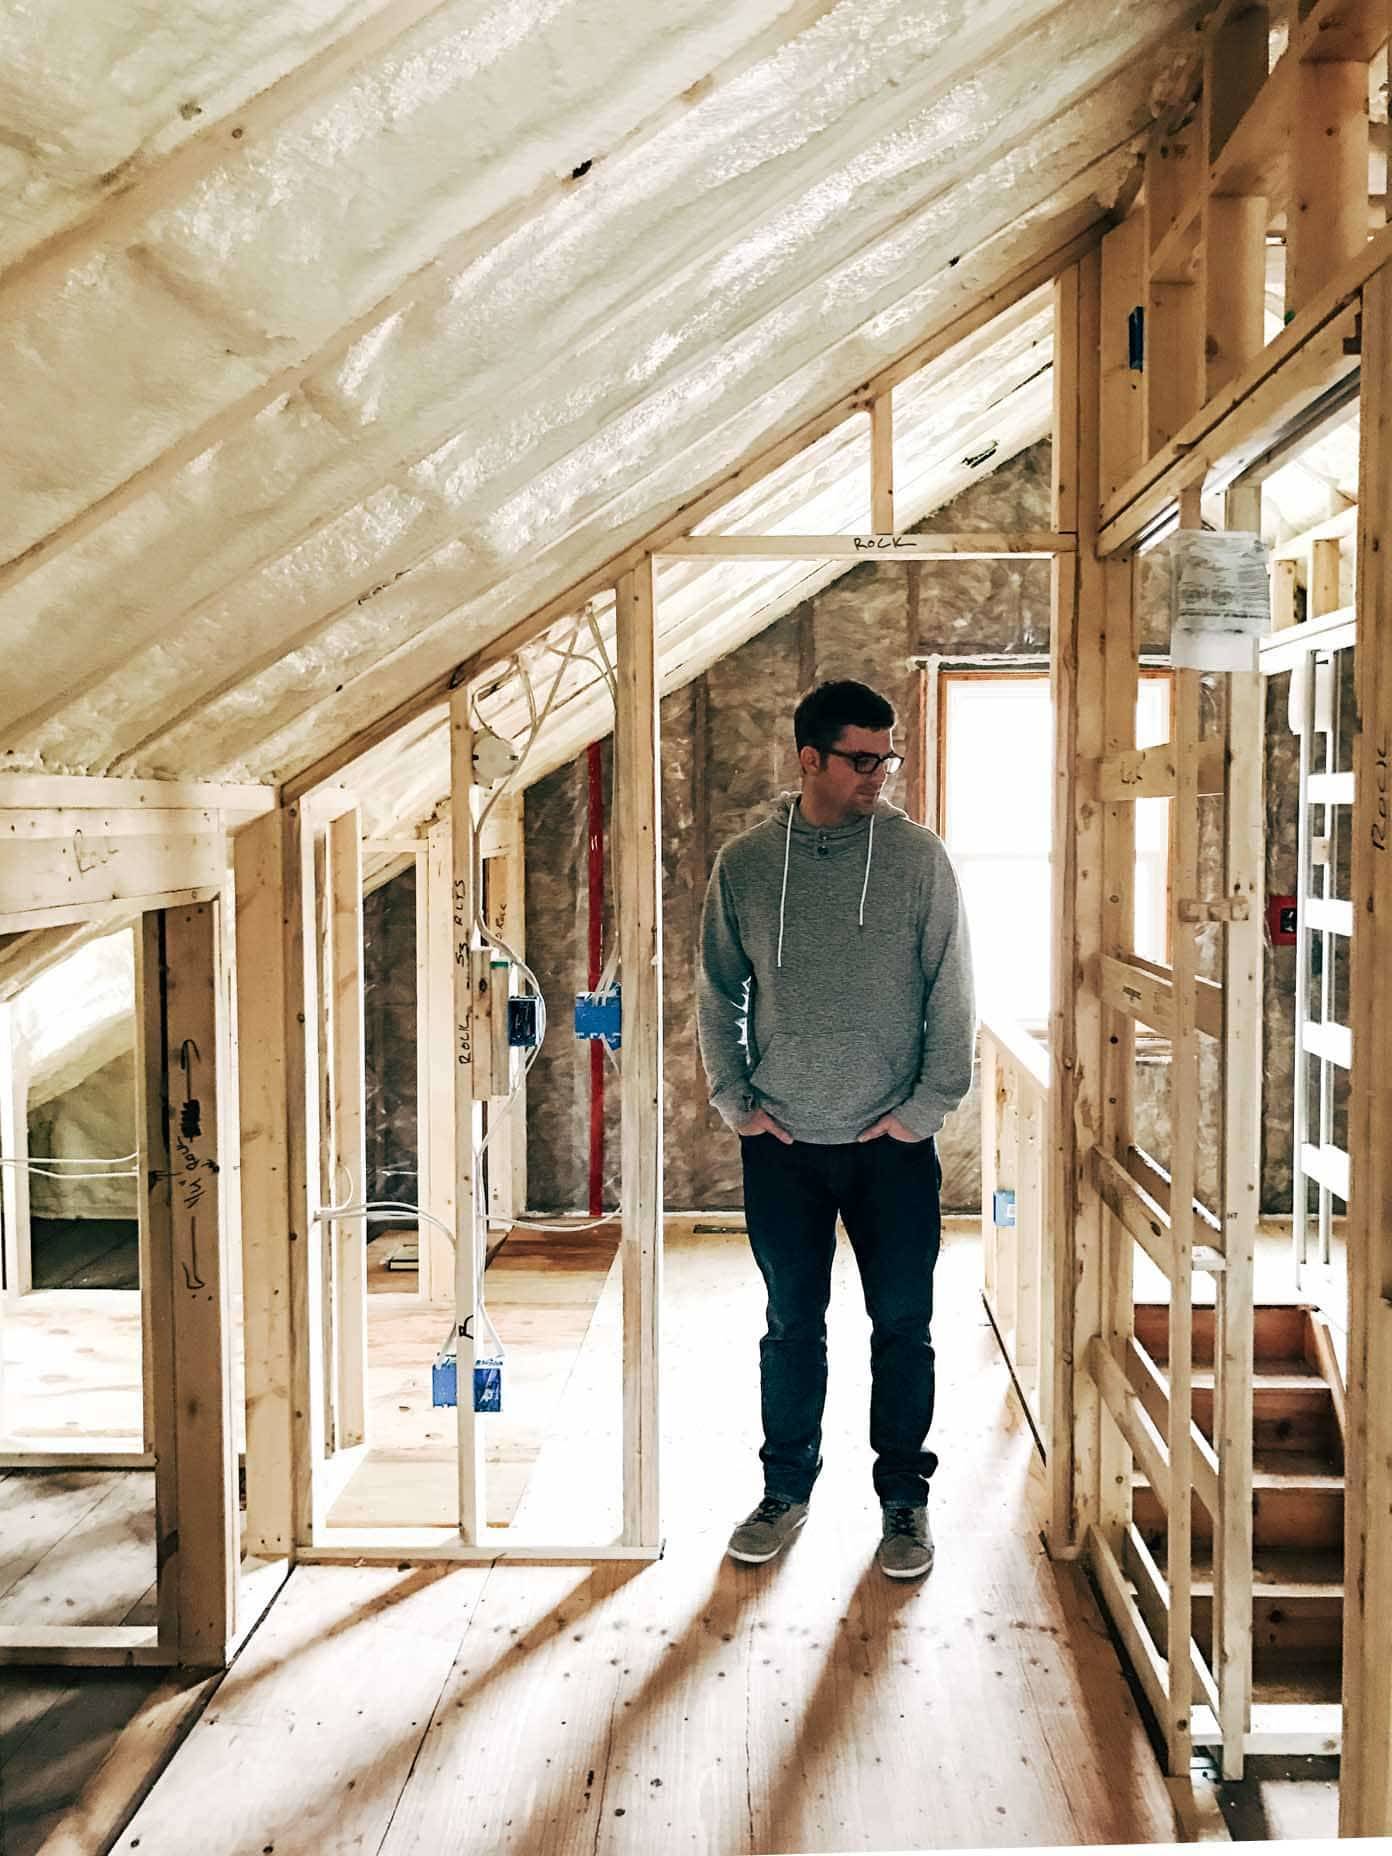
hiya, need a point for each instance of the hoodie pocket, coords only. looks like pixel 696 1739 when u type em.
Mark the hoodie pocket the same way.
pixel 824 1079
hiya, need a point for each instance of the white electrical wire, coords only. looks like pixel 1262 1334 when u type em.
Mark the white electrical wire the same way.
pixel 49 1167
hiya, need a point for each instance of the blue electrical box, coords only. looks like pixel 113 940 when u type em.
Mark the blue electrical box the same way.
pixel 600 1015
pixel 1003 1209
pixel 488 1380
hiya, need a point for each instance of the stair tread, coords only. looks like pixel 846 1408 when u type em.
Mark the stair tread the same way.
pixel 1293 1376
pixel 1302 1575
pixel 1301 1469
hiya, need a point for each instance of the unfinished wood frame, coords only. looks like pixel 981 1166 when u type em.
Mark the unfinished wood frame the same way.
pixel 182 1033
pixel 1013 1085
pixel 14 1174
pixel 1365 1792
pixel 1119 1412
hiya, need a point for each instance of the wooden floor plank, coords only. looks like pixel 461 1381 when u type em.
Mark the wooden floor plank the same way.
pixel 694 1704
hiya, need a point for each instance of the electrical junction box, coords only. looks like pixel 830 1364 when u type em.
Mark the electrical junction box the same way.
pixel 600 1015
pixel 522 1025
pixel 444 1381
pixel 1003 1209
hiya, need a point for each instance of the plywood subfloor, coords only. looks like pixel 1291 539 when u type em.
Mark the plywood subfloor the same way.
pixel 542 1291
pixel 694 1704
pixel 72 1367
pixel 76 1547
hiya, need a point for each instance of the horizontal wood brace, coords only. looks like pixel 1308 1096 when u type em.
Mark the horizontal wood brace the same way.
pixel 1195 909
pixel 1145 1568
pixel 1146 1221
pixel 1145 993
pixel 1129 1415
pixel 1034 544
pixel 64 915
pixel 1151 1384
pixel 1234 427
pixel 429 1545
pixel 1155 1181
pixel 88 867
pixel 1022 1052
pixel 1150 1666
pixel 1151 773
pixel 39 792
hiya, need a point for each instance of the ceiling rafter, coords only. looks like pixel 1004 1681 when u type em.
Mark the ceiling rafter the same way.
pixel 143 186
pixel 427 282
pixel 703 503
pixel 417 556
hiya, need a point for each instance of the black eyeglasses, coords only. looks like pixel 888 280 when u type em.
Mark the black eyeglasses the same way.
pixel 869 763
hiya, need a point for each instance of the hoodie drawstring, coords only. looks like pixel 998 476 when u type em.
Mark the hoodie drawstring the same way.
pixel 783 898
pixel 783 895
pixel 869 853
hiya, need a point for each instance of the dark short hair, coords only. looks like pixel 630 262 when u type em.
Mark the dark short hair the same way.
pixel 826 710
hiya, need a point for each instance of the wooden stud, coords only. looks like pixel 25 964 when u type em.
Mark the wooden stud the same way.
pixel 324 1023
pixel 468 1128
pixel 1327 224
pixel 1120 686
pixel 1240 1183
pixel 637 750
pixel 1236 51
pixel 1075 1044
pixel 1235 286
pixel 882 464
pixel 1284 588
pixel 1324 577
pixel 1184 1087
pixel 184 1032
pixel 14 1146
pixel 435 1032
pixel 1238 424
pixel 1123 401
pixel 1365 1792
pixel 264 1103
pixel 306 1185
pixel 349 1094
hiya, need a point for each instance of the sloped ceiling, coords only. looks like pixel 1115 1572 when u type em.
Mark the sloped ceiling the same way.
pixel 342 337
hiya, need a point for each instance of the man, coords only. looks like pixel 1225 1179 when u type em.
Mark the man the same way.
pixel 837 1025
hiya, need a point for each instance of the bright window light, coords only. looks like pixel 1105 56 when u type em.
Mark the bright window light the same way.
pixel 997 820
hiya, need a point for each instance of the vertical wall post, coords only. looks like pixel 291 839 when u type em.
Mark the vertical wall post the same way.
pixel 306 1185
pixel 14 1145
pixel 1244 837
pixel 198 1557
pixel 1075 1043
pixel 882 464
pixel 264 1106
pixel 435 1033
pixel 637 749
pixel 468 1223
pixel 348 1069
pixel 1365 1790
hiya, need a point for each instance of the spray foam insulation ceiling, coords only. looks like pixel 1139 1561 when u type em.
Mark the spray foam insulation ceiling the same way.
pixel 343 337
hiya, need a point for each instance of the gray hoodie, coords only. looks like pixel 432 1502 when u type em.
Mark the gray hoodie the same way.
pixel 836 978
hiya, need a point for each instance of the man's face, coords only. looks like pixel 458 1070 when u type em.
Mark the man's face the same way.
pixel 832 778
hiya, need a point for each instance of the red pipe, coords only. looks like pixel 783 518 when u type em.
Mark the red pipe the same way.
pixel 595 761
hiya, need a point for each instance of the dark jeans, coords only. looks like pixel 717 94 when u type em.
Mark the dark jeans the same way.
pixel 886 1193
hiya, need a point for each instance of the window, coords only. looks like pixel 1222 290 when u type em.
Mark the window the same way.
pixel 996 735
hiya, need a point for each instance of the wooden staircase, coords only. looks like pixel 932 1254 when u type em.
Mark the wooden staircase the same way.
pixel 1297 1503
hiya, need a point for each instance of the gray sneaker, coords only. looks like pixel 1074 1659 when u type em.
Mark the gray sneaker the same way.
pixel 767 1531
pixel 906 1546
